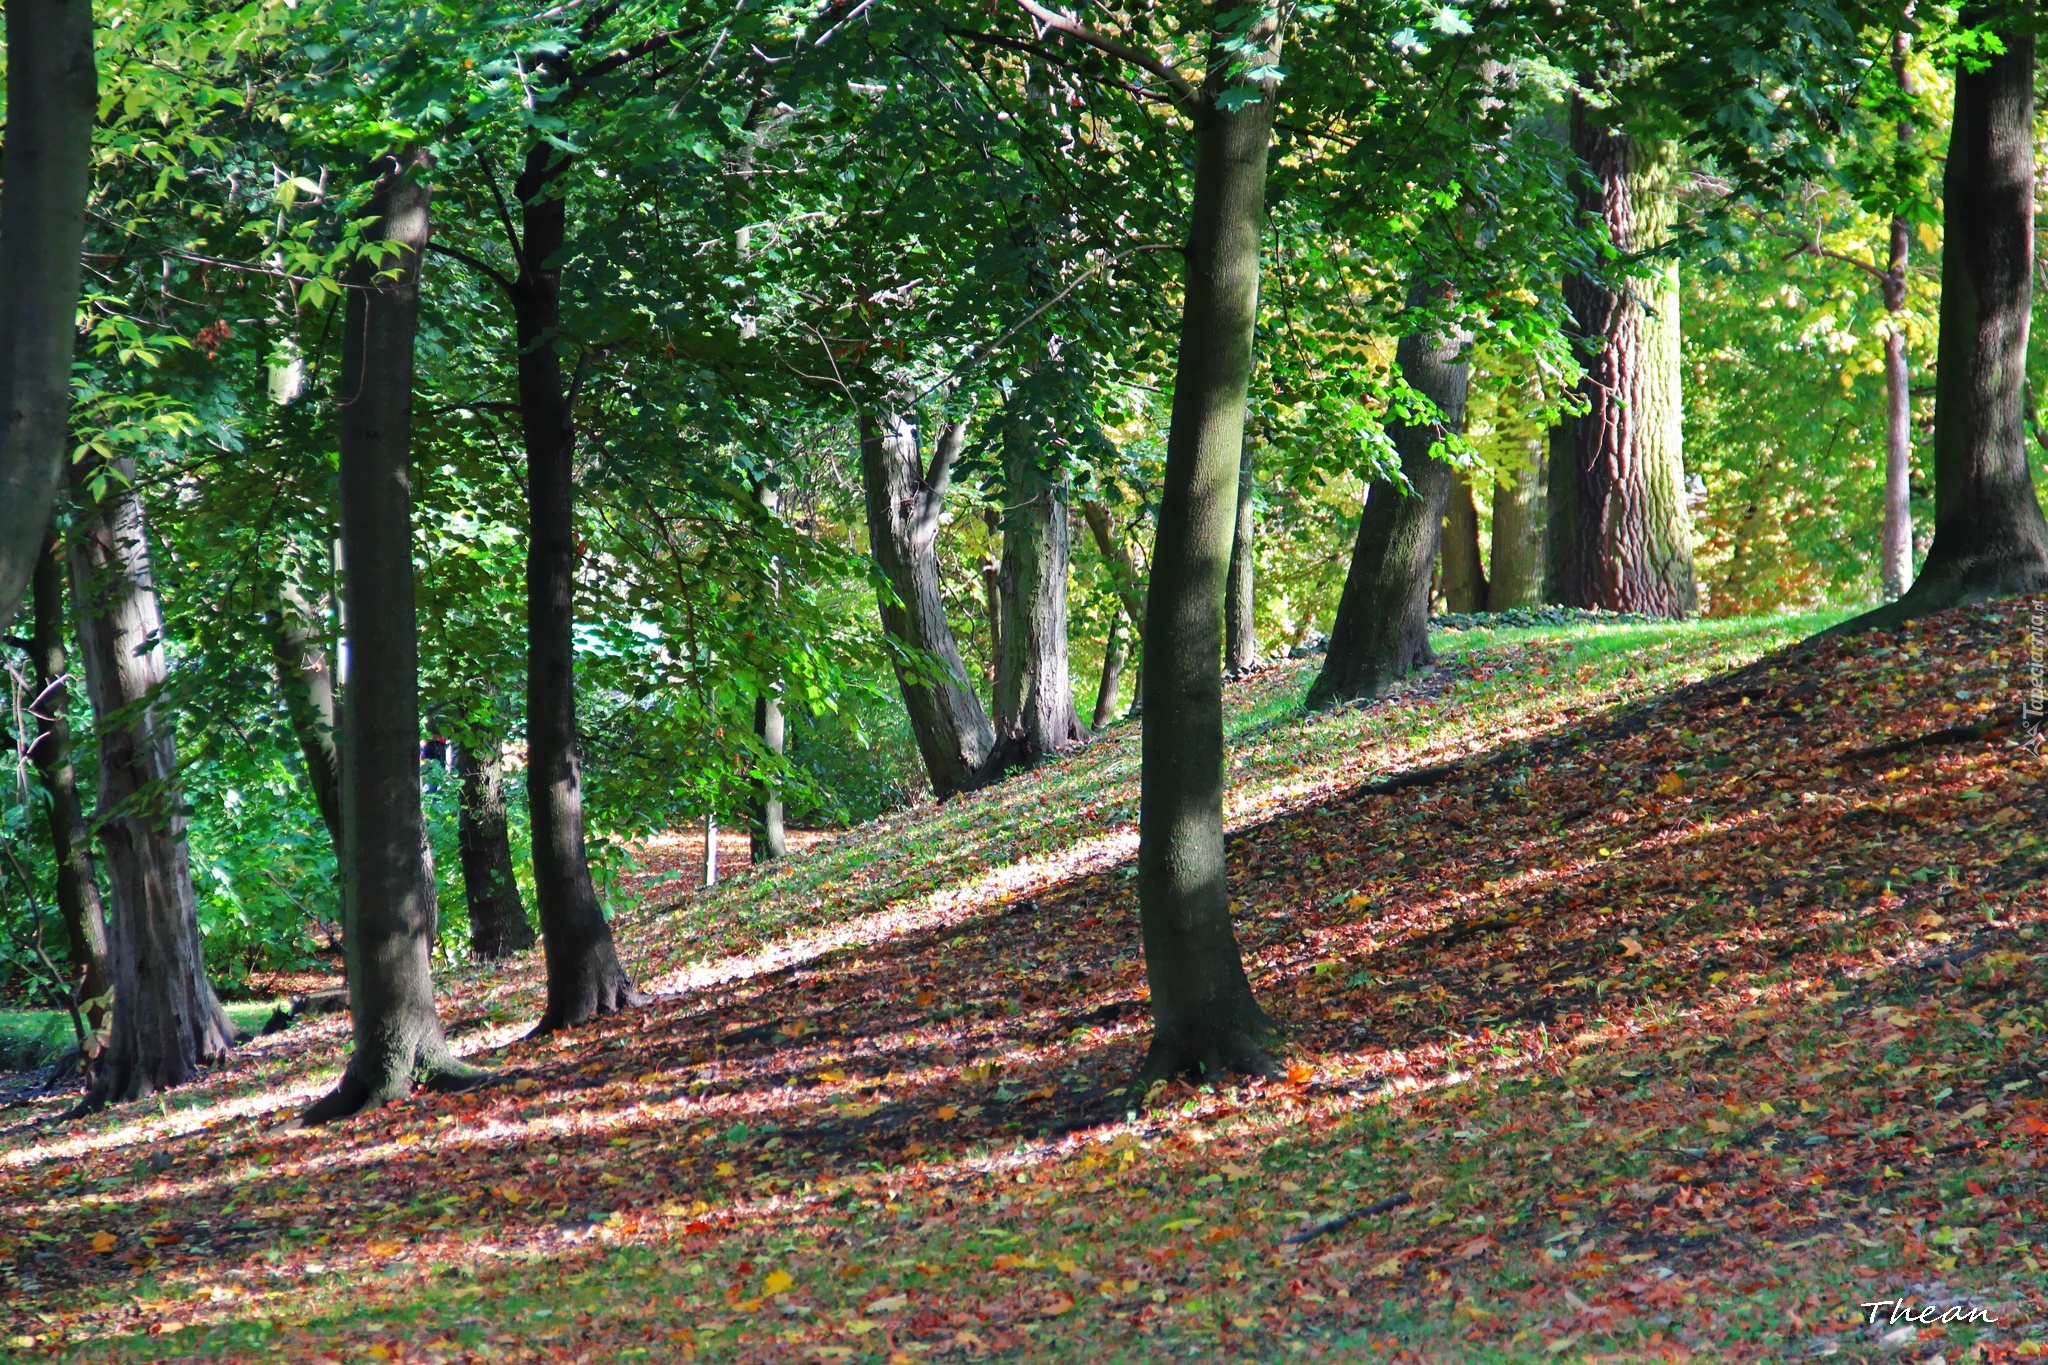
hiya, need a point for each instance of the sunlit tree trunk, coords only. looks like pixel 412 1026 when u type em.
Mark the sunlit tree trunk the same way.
pixel 1464 576
pixel 1240 593
pixel 1517 579
pixel 498 926
pixel 1034 693
pixel 1895 551
pixel 1113 651
pixel 765 835
pixel 299 661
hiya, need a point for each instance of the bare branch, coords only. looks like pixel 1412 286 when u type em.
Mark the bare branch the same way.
pixel 1053 21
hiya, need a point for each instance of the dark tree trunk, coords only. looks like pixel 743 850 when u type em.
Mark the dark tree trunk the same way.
pixel 1240 599
pixel 992 595
pixel 585 978
pixel 1112 672
pixel 387 898
pixel 765 835
pixel 1034 692
pixel 78 889
pixel 1204 1019
pixel 167 1021
pixel 903 503
pixel 1382 629
pixel 490 887
pixel 51 100
pixel 1989 537
pixel 1518 536
pixel 1464 580
pixel 1619 535
pixel 1895 550
pixel 299 660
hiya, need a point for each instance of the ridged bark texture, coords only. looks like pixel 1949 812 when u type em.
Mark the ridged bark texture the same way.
pixel 1034 691
pixel 52 96
pixel 298 656
pixel 1464 576
pixel 1619 536
pixel 1518 535
pixel 903 503
pixel 1205 1021
pixel 167 1024
pixel 1240 593
pixel 1381 633
pixel 387 900
pixel 498 926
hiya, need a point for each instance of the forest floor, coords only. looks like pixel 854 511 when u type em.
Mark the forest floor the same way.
pixel 1697 1006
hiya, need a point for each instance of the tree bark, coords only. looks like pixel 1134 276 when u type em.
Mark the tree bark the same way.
pixel 585 979
pixel 1035 713
pixel 992 594
pixel 1381 633
pixel 299 661
pixel 52 97
pixel 1112 672
pixel 1619 535
pixel 766 838
pixel 1124 577
pixel 1518 536
pixel 1205 1021
pixel 1240 600
pixel 388 907
pixel 1895 550
pixel 1989 536
pixel 167 1023
pixel 903 503
pixel 1464 580
pixel 498 927
pixel 78 890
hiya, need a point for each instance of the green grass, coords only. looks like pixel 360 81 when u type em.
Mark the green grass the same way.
pixel 34 1038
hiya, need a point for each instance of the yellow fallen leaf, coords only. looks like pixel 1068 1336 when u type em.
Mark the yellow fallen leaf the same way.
pixel 1671 784
pixel 1358 902
pixel 525 1085
pixel 725 1168
pixel 859 1327
pixel 750 1305
pixel 891 1303
pixel 834 1076
pixel 1390 1266
pixel 103 1242
pixel 384 1251
pixel 777 1282
pixel 651 1077
pixel 948 1112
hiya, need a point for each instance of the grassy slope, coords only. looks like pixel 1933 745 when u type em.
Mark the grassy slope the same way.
pixel 1684 1037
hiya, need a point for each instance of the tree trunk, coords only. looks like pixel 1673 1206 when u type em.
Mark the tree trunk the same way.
pixel 1989 537
pixel 1035 713
pixel 1204 1019
pixel 1381 633
pixel 1240 600
pixel 52 97
pixel 1124 577
pixel 498 927
pixel 768 841
pixel 585 978
pixel 1619 537
pixel 387 898
pixel 78 889
pixel 299 661
pixel 1895 551
pixel 1112 672
pixel 992 595
pixel 952 731
pixel 167 1022
pixel 1464 580
pixel 1518 536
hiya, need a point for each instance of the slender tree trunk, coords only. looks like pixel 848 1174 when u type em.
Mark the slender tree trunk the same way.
pixel 1204 1019
pixel 78 890
pixel 903 503
pixel 52 96
pixel 1989 536
pixel 1382 629
pixel 1035 713
pixel 1240 598
pixel 585 978
pixel 299 661
pixel 1464 580
pixel 1124 577
pixel 1518 536
pixel 1112 672
pixel 167 1022
pixel 710 851
pixel 766 838
pixel 498 927
pixel 1895 552
pixel 1619 535
pixel 992 595
pixel 387 895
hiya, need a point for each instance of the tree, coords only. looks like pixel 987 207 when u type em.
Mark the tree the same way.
pixel 1517 557
pixel 52 96
pixel 766 838
pixel 299 662
pixel 1034 699
pixel 388 919
pixel 1464 576
pixel 498 927
pixel 1240 594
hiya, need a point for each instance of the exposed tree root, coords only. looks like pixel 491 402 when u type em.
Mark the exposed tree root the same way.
pixel 437 1071
pixel 603 988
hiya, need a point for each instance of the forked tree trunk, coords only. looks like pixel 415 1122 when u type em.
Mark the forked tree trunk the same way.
pixel 299 661
pixel 498 927
pixel 1989 537
pixel 1112 672
pixel 1619 537
pixel 1204 1019
pixel 51 99
pixel 903 504
pixel 78 890
pixel 167 1022
pixel 1240 593
pixel 1381 633
pixel 1034 693
pixel 387 898
pixel 1518 535
pixel 1895 549
pixel 1464 580
pixel 585 978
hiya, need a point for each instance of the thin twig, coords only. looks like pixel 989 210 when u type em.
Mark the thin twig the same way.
pixel 1345 1220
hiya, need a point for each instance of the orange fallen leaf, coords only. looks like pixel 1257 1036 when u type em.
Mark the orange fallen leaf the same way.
pixel 103 1242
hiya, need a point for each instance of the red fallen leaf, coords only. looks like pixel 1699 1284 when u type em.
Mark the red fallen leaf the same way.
pixel 1973 1187
pixel 2029 1126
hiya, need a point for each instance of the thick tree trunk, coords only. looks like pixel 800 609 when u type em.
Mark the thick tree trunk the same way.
pixel 1240 596
pixel 768 840
pixel 78 890
pixel 52 96
pixel 1381 633
pixel 1518 536
pixel 1464 577
pixel 1895 550
pixel 1204 1019
pixel 1034 693
pixel 585 978
pixel 1989 537
pixel 1619 537
pixel 903 503
pixel 498 927
pixel 387 898
pixel 1113 652
pixel 167 1021
pixel 299 661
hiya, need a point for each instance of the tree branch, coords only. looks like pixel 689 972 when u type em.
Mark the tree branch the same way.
pixel 474 263
pixel 1053 21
